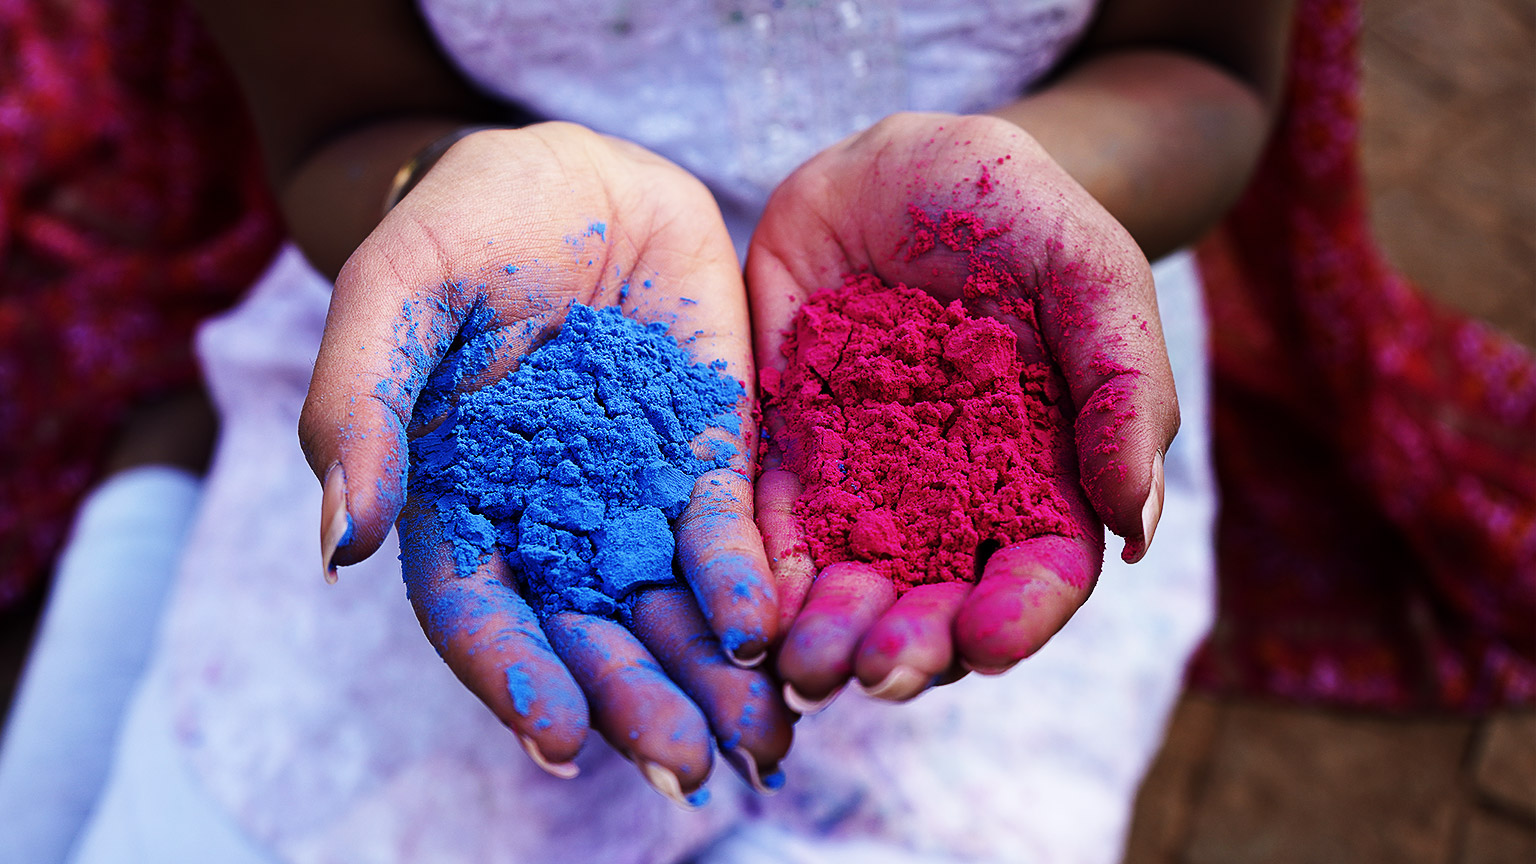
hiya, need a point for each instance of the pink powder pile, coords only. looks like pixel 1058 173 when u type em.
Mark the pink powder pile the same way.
pixel 919 434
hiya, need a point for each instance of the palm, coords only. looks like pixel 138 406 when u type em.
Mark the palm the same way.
pixel 971 209
pixel 503 234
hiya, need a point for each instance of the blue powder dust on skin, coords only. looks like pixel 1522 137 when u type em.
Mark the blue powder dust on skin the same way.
pixel 520 688
pixel 577 465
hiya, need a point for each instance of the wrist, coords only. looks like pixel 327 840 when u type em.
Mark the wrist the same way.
pixel 413 169
pixel 334 198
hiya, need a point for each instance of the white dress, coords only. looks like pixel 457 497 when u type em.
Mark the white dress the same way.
pixel 284 720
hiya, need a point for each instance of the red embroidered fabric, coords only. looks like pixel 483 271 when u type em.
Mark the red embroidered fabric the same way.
pixel 132 205
pixel 1376 454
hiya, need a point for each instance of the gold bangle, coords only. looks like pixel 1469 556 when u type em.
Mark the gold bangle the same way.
pixel 418 165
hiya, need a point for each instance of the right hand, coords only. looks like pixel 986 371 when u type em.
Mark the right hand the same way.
pixel 527 201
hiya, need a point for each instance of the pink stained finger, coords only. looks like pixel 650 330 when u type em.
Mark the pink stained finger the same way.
pixel 911 644
pixel 817 656
pixel 789 558
pixel 1027 592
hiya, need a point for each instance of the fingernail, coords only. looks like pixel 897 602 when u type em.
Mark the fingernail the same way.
pixel 899 685
pixel 747 662
pixel 985 670
pixel 563 770
pixel 666 783
pixel 746 766
pixel 335 522
pixel 801 705
pixel 1151 512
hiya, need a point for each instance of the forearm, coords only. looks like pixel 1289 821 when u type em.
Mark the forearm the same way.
pixel 335 198
pixel 1163 140
pixel 343 92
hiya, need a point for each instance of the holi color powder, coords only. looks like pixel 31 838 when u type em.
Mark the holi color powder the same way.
pixel 575 466
pixel 920 435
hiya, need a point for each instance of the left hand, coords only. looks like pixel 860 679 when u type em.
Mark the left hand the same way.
pixel 847 211
pixel 492 242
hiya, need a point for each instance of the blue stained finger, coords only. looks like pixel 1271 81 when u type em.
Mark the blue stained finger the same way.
pixel 492 640
pixel 721 553
pixel 635 705
pixel 751 724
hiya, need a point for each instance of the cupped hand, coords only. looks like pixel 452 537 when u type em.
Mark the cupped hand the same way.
pixel 968 208
pixel 506 231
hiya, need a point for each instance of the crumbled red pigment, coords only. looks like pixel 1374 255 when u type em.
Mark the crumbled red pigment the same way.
pixel 919 434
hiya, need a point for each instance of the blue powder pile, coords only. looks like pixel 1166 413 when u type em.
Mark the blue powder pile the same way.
pixel 577 465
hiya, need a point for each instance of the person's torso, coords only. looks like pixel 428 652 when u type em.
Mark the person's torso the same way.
pixel 740 92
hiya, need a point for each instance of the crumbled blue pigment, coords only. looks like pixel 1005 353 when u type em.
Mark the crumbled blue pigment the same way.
pixel 577 465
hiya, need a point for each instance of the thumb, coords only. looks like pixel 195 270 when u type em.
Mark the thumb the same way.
pixel 1099 318
pixel 1113 356
pixel 384 335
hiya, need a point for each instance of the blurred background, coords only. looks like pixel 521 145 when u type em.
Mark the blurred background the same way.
pixel 1450 153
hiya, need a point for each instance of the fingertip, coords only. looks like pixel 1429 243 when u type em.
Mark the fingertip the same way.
pixel 686 752
pixel 356 514
pixel 912 644
pixel 805 705
pixel 635 705
pixel 722 557
pixel 764 781
pixel 742 611
pixel 745 659
pixel 1122 432
pixel 817 657
pixel 548 712
pixel 899 685
pixel 336 528
pixel 666 781
pixel 741 706
pixel 563 768
pixel 1027 593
